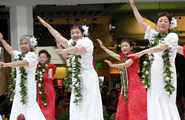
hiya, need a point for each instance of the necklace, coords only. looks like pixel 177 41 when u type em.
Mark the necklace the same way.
pixel 74 70
pixel 39 75
pixel 166 66
pixel 23 77
pixel 124 79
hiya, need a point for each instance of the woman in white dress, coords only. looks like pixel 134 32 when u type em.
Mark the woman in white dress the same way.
pixel 23 89
pixel 161 95
pixel 85 104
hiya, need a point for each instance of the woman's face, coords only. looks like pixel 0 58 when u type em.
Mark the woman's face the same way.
pixel 76 34
pixel 163 24
pixel 62 103
pixel 113 94
pixel 25 45
pixel 125 47
pixel 43 58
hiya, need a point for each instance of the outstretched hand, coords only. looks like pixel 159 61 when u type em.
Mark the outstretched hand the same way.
pixel 42 21
pixel 155 27
pixel 132 3
pixel 136 55
pixel 60 51
pixel 108 62
pixel 100 42
pixel 2 64
pixel 1 37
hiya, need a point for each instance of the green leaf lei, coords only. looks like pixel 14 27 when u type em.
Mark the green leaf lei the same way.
pixel 22 84
pixel 124 79
pixel 74 70
pixel 39 75
pixel 166 65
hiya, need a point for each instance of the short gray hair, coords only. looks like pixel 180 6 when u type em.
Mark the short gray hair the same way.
pixel 27 37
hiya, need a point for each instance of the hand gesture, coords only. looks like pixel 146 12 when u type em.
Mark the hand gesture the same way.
pixel 100 42
pixel 155 27
pixel 2 64
pixel 60 51
pixel 42 21
pixel 132 3
pixel 1 37
pixel 108 62
pixel 136 55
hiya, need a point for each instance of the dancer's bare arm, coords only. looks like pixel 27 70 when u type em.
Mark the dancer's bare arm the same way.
pixel 65 55
pixel 8 48
pixel 180 50
pixel 14 64
pixel 63 41
pixel 80 50
pixel 138 16
pixel 120 65
pixel 112 54
pixel 158 48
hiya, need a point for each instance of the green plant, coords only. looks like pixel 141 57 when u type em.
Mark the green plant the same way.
pixel 64 115
pixel 106 115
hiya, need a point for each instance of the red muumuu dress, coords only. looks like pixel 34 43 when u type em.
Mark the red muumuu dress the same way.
pixel 136 108
pixel 49 109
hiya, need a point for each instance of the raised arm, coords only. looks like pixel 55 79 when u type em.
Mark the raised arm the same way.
pixel 63 41
pixel 112 54
pixel 120 65
pixel 8 48
pixel 180 50
pixel 138 16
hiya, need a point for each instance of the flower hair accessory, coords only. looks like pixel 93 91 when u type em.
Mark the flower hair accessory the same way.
pixel 134 45
pixel 33 41
pixel 173 23
pixel 85 28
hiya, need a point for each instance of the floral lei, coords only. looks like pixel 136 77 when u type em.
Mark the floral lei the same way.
pixel 166 60
pixel 74 66
pixel 39 75
pixel 124 78
pixel 23 75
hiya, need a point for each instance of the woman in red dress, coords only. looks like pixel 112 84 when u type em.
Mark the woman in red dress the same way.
pixel 45 90
pixel 132 103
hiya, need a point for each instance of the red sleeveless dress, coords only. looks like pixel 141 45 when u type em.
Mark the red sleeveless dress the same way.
pixel 136 108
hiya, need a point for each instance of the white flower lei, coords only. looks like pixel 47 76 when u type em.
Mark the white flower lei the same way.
pixel 166 54
pixel 40 71
pixel 74 70
pixel 85 28
pixel 23 79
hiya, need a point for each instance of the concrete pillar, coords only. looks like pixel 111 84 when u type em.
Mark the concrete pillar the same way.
pixel 21 23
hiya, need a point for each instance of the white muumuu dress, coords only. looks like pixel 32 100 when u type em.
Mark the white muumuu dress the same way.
pixel 31 110
pixel 159 105
pixel 91 106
